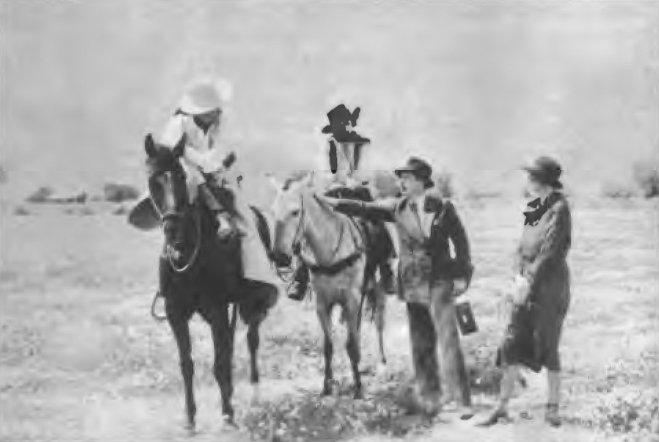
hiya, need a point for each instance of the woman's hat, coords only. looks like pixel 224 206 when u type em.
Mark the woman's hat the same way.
pixel 206 96
pixel 419 168
pixel 546 170
pixel 339 117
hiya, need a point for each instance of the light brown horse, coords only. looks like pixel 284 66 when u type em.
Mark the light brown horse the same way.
pixel 333 247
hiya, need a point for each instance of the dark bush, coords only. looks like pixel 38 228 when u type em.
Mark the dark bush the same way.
pixel 386 184
pixel 41 195
pixel 617 191
pixel 646 176
pixel 117 193
pixel 444 184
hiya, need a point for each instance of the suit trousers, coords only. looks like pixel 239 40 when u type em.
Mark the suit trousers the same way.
pixel 432 325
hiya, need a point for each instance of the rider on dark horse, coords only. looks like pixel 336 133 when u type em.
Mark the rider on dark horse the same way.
pixel 207 166
pixel 345 153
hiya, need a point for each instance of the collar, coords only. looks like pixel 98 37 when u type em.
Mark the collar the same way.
pixel 432 203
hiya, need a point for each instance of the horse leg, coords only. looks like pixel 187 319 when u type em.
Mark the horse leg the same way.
pixel 324 316
pixel 380 312
pixel 253 344
pixel 352 343
pixel 181 330
pixel 222 366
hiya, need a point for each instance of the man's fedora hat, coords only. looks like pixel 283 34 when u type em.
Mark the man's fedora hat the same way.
pixel 419 168
pixel 545 170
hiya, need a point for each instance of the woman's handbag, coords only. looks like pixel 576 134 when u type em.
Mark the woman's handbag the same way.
pixel 465 318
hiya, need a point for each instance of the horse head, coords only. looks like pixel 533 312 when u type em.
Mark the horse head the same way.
pixel 287 209
pixel 168 189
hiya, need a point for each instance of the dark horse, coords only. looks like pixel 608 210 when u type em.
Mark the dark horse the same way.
pixel 201 273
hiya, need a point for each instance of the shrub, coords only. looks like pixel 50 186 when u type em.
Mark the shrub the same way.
pixel 477 195
pixel 618 191
pixel 117 193
pixel 444 184
pixel 41 195
pixel 646 176
pixel 386 184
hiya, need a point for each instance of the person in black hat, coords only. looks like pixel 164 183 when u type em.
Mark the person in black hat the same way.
pixel 540 296
pixel 345 147
pixel 345 144
pixel 429 279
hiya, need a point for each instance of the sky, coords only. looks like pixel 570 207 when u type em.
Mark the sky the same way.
pixel 478 88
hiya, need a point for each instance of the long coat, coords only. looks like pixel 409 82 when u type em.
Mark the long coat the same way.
pixel 534 332
pixel 424 253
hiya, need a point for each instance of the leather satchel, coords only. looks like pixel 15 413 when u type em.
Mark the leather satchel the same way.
pixel 465 318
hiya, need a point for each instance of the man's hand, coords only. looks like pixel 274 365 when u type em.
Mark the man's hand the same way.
pixel 459 287
pixel 332 202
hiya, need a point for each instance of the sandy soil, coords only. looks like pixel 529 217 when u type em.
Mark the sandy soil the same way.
pixel 81 359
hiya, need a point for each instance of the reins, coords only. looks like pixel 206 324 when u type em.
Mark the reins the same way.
pixel 195 252
pixel 335 266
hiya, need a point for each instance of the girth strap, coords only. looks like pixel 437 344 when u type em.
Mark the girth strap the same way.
pixel 337 267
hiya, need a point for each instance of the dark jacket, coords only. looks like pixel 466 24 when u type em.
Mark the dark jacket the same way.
pixel 424 256
pixel 542 254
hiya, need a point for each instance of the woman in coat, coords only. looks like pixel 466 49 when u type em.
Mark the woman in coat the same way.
pixel 542 293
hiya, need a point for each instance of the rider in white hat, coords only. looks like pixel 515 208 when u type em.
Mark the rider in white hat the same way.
pixel 198 117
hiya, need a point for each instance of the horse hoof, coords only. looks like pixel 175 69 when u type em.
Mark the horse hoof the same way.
pixel 328 389
pixel 256 395
pixel 190 427
pixel 381 369
pixel 228 423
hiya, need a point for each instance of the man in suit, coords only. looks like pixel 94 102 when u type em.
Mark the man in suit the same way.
pixel 428 277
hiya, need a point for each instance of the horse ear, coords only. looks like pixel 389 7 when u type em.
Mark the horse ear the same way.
pixel 274 182
pixel 150 146
pixel 178 149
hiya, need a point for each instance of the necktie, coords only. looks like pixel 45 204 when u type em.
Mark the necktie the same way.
pixel 415 209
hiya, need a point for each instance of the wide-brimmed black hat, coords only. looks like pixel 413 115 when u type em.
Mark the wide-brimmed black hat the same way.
pixel 339 117
pixel 546 170
pixel 419 168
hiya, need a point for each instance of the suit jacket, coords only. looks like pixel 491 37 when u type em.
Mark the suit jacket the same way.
pixel 425 256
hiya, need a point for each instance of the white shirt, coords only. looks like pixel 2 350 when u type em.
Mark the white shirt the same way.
pixel 424 217
pixel 201 149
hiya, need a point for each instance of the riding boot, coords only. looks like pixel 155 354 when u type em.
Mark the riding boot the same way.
pixel 300 283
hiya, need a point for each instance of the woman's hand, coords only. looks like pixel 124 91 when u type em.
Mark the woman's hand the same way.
pixel 521 290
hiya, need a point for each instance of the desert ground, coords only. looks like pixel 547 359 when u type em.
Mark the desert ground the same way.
pixel 81 358
pixel 476 88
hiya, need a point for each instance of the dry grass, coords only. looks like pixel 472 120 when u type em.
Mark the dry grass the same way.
pixel 80 358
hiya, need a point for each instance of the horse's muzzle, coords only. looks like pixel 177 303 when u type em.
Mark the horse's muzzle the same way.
pixel 281 259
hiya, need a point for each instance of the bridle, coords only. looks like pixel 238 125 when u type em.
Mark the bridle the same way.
pixel 298 239
pixel 180 217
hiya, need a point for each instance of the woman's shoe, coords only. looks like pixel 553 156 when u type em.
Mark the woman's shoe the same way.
pixel 494 418
pixel 551 415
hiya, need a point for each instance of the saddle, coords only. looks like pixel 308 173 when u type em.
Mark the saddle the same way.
pixel 379 244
